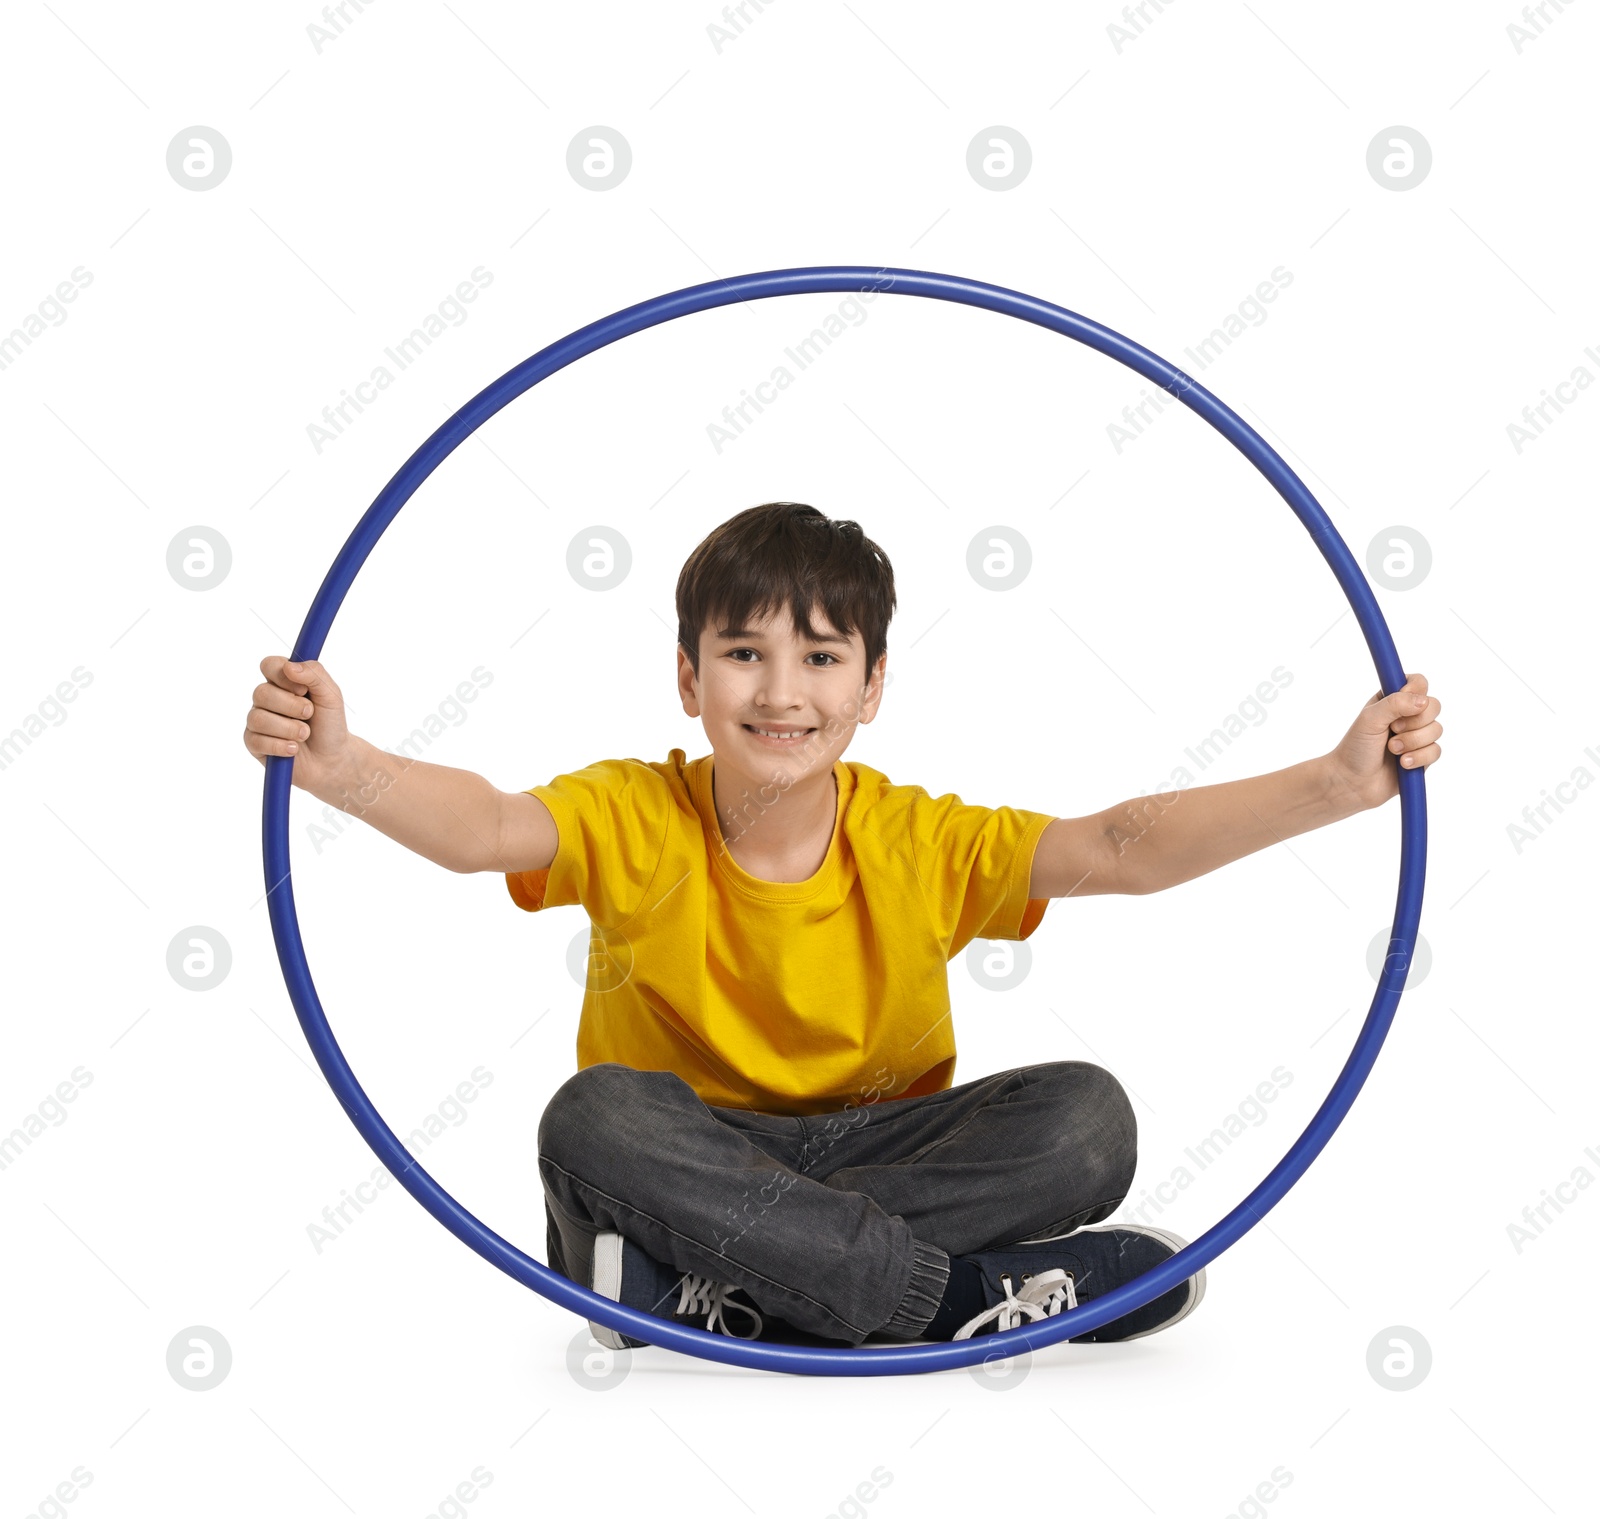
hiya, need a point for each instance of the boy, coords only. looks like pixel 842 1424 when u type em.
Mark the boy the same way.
pixel 762 1136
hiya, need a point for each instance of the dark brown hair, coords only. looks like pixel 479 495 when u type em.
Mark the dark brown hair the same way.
pixel 784 553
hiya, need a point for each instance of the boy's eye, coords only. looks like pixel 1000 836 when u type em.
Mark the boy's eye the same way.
pixel 832 659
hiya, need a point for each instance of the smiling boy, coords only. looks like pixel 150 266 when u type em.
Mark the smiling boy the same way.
pixel 762 1135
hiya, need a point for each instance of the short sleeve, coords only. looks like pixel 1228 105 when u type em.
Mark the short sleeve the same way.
pixel 611 820
pixel 975 864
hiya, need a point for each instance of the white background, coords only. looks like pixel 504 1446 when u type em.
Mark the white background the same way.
pixel 1171 172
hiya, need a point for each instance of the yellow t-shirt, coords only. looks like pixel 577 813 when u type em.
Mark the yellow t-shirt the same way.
pixel 786 997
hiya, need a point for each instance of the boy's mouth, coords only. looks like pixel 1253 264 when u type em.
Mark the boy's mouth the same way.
pixel 779 738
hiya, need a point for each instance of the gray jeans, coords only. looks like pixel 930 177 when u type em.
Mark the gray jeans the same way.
pixel 841 1224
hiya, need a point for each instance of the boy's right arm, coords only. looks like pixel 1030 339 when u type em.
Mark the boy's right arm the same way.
pixel 453 817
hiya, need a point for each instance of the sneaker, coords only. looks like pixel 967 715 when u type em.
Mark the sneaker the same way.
pixel 626 1274
pixel 1042 1296
pixel 1035 1279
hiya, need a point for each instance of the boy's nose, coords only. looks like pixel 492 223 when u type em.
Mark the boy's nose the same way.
pixel 776 710
pixel 776 699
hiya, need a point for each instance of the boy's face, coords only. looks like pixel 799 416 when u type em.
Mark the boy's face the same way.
pixel 765 675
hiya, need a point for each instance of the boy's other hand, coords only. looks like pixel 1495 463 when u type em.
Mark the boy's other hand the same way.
pixel 1400 730
pixel 299 713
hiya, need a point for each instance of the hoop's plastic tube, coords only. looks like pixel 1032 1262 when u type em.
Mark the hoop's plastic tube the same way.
pixel 847 1361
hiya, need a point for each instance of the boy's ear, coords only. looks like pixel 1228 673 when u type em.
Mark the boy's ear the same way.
pixel 686 684
pixel 872 692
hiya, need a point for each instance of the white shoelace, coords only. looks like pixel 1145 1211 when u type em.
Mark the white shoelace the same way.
pixel 702 1295
pixel 1041 1297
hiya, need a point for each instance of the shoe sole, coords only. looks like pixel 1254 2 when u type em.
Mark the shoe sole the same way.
pixel 606 1279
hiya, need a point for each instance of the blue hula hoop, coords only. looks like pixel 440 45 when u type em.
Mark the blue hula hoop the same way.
pixel 846 1360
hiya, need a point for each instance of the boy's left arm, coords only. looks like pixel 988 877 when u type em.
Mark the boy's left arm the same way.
pixel 1152 843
